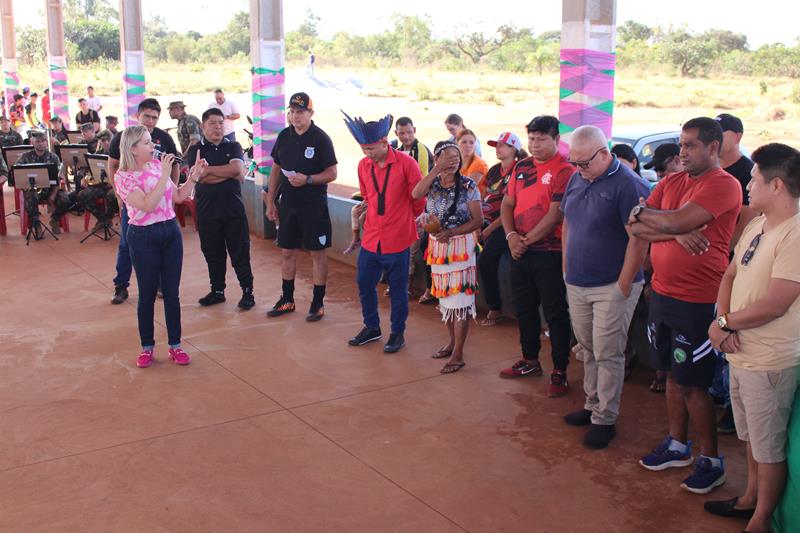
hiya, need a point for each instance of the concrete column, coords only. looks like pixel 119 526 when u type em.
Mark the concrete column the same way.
pixel 132 54
pixel 588 64
pixel 269 101
pixel 10 76
pixel 57 59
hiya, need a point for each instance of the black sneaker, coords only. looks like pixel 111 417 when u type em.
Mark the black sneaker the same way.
pixel 315 313
pixel 212 298
pixel 120 295
pixel 579 418
pixel 726 424
pixel 248 301
pixel 599 436
pixel 728 509
pixel 281 308
pixel 396 341
pixel 365 336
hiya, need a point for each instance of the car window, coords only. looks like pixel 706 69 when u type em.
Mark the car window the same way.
pixel 647 151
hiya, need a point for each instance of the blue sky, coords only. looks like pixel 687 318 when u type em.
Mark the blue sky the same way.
pixel 762 25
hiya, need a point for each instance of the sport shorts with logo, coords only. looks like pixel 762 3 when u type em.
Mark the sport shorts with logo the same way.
pixel 678 336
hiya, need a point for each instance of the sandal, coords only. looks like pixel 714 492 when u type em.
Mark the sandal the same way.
pixel 442 353
pixel 490 321
pixel 659 385
pixel 451 368
pixel 427 299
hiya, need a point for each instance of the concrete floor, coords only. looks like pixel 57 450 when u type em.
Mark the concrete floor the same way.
pixel 278 425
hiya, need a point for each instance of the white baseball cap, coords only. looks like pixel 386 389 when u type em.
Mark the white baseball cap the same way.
pixel 508 138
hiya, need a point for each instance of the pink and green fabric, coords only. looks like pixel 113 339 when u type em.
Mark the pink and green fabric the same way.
pixel 269 109
pixel 59 99
pixel 587 89
pixel 134 94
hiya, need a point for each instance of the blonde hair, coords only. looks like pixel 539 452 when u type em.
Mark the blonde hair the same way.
pixel 130 138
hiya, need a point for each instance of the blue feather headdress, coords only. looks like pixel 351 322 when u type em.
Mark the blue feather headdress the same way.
pixel 368 132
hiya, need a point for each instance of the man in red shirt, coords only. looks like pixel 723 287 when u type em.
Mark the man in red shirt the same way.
pixel 689 217
pixel 46 116
pixel 386 178
pixel 532 223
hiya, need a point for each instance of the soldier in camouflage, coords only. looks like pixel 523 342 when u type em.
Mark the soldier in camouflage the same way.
pixel 55 197
pixel 190 130
pixel 57 132
pixel 8 137
pixel 89 194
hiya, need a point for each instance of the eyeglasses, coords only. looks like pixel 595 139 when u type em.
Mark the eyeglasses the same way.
pixel 751 250
pixel 585 164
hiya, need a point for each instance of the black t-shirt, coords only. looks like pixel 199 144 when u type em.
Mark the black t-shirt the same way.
pixel 741 171
pixel 91 116
pixel 224 199
pixel 310 154
pixel 161 139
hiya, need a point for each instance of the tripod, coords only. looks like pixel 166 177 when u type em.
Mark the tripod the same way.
pixel 35 226
pixel 103 230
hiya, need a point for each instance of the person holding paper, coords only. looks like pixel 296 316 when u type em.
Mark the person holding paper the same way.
pixel 304 164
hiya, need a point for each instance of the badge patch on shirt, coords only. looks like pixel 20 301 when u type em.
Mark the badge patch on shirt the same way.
pixel 546 178
pixel 309 152
pixel 323 238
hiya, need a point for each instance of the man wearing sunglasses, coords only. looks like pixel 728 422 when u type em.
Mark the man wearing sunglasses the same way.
pixel 689 217
pixel 757 327
pixel 603 274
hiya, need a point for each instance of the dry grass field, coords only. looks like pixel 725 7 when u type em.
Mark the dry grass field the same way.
pixel 489 101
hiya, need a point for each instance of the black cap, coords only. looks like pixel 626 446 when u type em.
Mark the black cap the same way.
pixel 36 134
pixel 660 156
pixel 300 101
pixel 730 123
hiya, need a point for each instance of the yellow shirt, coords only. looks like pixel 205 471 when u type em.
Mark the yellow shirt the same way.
pixel 775 345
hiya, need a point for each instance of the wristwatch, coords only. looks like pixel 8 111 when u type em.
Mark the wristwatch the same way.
pixel 309 180
pixel 722 322
pixel 636 211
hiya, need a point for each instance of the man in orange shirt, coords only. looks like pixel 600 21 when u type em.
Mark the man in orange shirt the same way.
pixel 689 217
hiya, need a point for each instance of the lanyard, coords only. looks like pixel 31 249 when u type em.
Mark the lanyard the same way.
pixel 381 192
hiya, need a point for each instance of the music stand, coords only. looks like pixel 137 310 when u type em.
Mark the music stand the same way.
pixel 74 137
pixel 73 156
pixel 98 168
pixel 33 177
pixel 11 155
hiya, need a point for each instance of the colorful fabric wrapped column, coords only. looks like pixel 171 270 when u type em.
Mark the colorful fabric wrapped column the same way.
pixel 269 108
pixel 587 89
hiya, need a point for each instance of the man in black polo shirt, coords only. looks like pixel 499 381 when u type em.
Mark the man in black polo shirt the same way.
pixel 304 165
pixel 148 113
pixel 220 209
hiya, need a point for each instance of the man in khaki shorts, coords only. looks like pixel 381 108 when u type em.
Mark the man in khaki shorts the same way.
pixel 759 329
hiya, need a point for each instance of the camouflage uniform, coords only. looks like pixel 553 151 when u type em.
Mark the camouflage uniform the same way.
pixel 61 202
pixel 189 129
pixel 12 138
pixel 60 137
pixel 89 195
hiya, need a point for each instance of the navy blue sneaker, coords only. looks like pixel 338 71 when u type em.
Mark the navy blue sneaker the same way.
pixel 705 476
pixel 662 457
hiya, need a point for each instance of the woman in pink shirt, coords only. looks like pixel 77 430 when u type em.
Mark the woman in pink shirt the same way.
pixel 154 238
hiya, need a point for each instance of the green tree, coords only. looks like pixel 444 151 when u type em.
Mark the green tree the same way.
pixel 726 40
pixel 31 44
pixel 90 9
pixel 690 53
pixel 476 45
pixel 633 31
pixel 93 38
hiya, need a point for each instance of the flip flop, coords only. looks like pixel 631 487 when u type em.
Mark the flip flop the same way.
pixel 658 385
pixel 451 368
pixel 442 353
pixel 427 300
pixel 489 322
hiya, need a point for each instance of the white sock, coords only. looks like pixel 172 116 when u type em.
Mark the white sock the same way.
pixel 677 446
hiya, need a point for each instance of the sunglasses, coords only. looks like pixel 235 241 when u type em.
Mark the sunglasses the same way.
pixel 751 250
pixel 585 164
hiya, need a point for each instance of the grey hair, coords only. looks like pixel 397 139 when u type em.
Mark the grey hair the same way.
pixel 589 135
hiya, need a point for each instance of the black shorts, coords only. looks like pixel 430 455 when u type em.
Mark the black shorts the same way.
pixel 678 335
pixel 307 227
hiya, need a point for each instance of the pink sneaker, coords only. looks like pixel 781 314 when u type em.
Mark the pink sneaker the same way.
pixel 145 359
pixel 179 356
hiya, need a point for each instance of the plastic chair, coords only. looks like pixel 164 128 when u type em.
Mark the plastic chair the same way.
pixel 180 212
